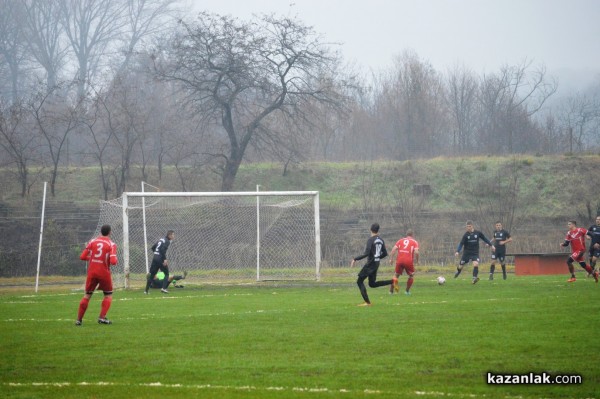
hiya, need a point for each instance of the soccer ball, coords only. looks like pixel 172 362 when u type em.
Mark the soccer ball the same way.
pixel 441 280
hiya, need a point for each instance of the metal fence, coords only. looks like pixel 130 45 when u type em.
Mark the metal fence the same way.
pixel 343 235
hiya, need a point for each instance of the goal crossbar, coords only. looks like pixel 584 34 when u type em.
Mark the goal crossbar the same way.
pixel 314 224
pixel 218 194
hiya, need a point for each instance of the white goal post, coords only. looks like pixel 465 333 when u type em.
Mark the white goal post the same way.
pixel 219 236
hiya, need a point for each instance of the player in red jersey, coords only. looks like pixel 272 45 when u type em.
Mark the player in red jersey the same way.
pixel 101 254
pixel 576 237
pixel 408 254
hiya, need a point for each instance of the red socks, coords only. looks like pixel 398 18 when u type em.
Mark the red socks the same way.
pixel 82 307
pixel 106 302
pixel 409 283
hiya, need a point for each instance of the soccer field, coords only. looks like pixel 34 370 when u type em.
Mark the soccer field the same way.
pixel 276 340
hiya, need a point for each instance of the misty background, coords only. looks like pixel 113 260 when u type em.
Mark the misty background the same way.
pixel 182 94
pixel 208 86
pixel 480 34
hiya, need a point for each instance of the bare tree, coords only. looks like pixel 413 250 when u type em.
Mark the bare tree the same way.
pixel 44 36
pixel 91 26
pixel 461 101
pixel 12 54
pixel 129 111
pixel 187 159
pixel 19 142
pixel 54 119
pixel 144 19
pixel 503 194
pixel 284 138
pixel 410 100
pixel 509 99
pixel 124 112
pixel 91 29
pixel 238 75
pixel 580 118
pixel 325 128
pixel 167 123
pixel 100 138
pixel 551 134
pixel 364 118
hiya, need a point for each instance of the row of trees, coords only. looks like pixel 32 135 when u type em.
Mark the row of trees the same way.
pixel 45 43
pixel 120 84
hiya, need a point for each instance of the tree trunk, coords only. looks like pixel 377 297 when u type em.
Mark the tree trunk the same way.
pixel 24 183
pixel 53 180
pixel 160 168
pixel 231 168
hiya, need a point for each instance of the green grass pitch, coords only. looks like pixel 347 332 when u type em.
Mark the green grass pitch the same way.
pixel 276 340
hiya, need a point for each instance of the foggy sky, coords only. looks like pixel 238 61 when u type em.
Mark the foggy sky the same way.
pixel 483 35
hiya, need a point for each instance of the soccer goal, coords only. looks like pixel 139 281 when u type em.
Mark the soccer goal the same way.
pixel 219 236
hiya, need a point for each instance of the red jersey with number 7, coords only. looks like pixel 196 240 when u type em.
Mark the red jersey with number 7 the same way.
pixel 577 239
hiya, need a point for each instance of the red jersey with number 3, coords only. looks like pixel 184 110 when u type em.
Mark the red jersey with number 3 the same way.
pixel 577 239
pixel 406 249
pixel 100 252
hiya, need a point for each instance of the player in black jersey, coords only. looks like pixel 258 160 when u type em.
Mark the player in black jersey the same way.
pixel 594 234
pixel 501 238
pixel 374 252
pixel 470 243
pixel 160 262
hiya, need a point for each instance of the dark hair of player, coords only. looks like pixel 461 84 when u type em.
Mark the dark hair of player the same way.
pixel 375 227
pixel 105 230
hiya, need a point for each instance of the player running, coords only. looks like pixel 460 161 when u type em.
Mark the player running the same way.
pixel 408 255
pixel 374 252
pixel 470 243
pixel 576 238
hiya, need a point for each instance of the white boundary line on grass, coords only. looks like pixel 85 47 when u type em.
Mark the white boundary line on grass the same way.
pixel 199 387
pixel 146 316
pixel 232 388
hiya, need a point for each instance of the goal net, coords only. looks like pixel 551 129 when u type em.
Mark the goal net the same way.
pixel 219 237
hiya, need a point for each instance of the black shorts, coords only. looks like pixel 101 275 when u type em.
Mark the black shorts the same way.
pixel 499 255
pixel 594 253
pixel 157 265
pixel 466 258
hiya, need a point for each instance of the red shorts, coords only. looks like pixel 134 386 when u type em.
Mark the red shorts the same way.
pixel 408 266
pixel 98 277
pixel 578 256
